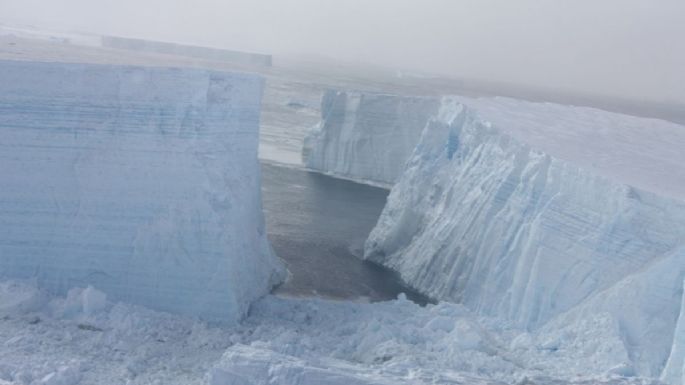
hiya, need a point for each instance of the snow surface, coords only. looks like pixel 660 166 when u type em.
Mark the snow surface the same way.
pixel 143 182
pixel 641 152
pixel 366 136
pixel 73 340
pixel 482 218
pixel 60 37
pixel 175 49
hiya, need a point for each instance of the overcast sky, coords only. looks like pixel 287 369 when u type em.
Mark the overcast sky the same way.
pixel 633 48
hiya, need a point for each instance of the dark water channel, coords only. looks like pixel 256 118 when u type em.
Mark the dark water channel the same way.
pixel 318 225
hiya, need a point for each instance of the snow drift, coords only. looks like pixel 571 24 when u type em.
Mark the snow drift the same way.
pixel 366 137
pixel 482 218
pixel 142 182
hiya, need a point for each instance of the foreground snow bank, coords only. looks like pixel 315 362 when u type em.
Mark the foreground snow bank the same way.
pixel 481 218
pixel 366 137
pixel 143 182
pixel 84 338
pixel 398 342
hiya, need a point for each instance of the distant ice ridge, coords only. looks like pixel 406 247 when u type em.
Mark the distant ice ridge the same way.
pixel 366 137
pixel 482 218
pixel 142 182
pixel 207 53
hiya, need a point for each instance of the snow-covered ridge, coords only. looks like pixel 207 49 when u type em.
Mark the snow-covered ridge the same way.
pixel 365 136
pixel 143 182
pixel 482 218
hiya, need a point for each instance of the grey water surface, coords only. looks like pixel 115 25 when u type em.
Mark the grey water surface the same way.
pixel 318 224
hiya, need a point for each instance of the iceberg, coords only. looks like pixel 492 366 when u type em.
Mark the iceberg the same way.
pixel 366 137
pixel 140 181
pixel 514 221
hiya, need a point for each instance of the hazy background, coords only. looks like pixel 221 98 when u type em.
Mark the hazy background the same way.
pixel 629 48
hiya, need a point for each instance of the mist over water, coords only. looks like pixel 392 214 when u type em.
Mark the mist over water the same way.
pixel 626 48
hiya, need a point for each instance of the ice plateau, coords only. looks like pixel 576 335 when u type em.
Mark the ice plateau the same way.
pixel 366 136
pixel 485 216
pixel 141 181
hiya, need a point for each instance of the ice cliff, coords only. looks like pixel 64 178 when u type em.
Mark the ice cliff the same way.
pixel 511 221
pixel 142 182
pixel 367 137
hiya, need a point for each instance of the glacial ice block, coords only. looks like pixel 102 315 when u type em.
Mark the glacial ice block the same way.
pixel 142 182
pixel 482 218
pixel 366 136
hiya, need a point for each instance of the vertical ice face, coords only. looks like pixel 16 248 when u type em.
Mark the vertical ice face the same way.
pixel 483 219
pixel 142 182
pixel 366 136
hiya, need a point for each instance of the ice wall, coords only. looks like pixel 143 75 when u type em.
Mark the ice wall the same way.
pixel 142 182
pixel 365 136
pixel 482 218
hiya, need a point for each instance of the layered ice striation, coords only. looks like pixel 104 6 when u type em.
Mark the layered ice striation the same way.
pixel 365 136
pixel 143 182
pixel 484 218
